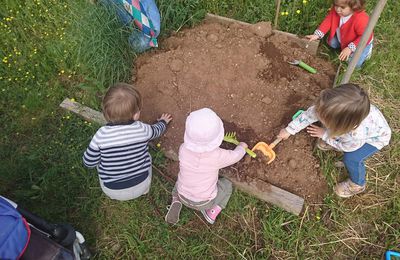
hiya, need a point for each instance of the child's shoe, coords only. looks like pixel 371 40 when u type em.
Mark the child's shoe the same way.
pixel 174 211
pixel 323 146
pixel 339 164
pixel 348 188
pixel 211 214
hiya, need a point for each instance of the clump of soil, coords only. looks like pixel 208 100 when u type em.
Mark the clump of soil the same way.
pixel 243 75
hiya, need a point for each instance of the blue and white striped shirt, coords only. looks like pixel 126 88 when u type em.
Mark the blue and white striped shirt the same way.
pixel 121 154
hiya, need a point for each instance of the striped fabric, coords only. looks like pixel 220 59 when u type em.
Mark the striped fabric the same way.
pixel 120 153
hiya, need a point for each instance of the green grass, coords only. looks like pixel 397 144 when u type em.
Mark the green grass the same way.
pixel 56 49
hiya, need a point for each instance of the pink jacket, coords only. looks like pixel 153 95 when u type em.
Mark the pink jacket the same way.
pixel 198 172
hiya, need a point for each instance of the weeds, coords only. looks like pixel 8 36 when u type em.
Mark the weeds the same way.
pixel 56 49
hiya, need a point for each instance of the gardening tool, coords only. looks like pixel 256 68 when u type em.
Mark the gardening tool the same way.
pixel 303 65
pixel 230 137
pixel 266 149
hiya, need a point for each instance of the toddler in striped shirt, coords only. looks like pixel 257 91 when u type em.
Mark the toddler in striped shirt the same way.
pixel 119 150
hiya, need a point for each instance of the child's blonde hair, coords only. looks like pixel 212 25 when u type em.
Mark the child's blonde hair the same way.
pixel 355 5
pixel 343 108
pixel 121 102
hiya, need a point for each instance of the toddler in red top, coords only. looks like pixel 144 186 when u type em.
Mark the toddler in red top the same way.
pixel 345 23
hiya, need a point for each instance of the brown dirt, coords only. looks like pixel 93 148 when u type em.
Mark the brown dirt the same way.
pixel 246 79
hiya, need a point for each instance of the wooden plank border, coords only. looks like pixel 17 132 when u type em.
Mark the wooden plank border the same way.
pixel 310 47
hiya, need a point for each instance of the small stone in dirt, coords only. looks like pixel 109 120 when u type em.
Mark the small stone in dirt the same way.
pixel 297 141
pixel 247 159
pixel 219 46
pixel 292 163
pixel 260 173
pixel 266 100
pixel 212 37
pixel 171 154
pixel 176 65
pixel 262 29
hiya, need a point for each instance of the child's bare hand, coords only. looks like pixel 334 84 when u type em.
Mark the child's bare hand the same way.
pixel 316 131
pixel 166 117
pixel 244 145
pixel 345 54
pixel 312 37
pixel 283 134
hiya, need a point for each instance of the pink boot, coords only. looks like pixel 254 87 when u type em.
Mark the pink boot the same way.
pixel 211 214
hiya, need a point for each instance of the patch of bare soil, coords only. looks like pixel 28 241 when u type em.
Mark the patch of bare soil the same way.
pixel 243 75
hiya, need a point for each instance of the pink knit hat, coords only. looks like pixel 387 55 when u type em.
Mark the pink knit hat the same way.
pixel 204 131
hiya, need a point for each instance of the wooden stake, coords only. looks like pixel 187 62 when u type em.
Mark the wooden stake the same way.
pixel 278 6
pixel 364 39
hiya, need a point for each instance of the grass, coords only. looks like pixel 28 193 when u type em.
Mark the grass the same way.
pixel 56 49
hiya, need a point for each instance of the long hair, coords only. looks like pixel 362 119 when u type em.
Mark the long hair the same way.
pixel 343 108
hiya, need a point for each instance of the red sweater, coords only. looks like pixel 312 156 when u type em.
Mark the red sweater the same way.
pixel 350 32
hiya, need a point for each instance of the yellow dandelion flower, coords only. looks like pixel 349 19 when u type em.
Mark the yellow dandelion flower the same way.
pixel 282 13
pixel 298 11
pixel 73 100
pixel 158 145
pixel 68 117
pixel 286 13
pixel 304 1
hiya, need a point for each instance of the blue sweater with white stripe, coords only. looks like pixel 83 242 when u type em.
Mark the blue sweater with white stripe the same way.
pixel 120 152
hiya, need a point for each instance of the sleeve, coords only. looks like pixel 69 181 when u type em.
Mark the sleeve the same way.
pixel 92 156
pixel 359 30
pixel 229 157
pixel 158 129
pixel 302 121
pixel 347 143
pixel 325 26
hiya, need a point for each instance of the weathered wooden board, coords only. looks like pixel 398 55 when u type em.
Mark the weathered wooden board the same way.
pixel 310 47
pixel 87 113
pixel 274 195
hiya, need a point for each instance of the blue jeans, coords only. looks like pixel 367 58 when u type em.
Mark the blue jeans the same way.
pixel 137 39
pixel 354 162
pixel 334 43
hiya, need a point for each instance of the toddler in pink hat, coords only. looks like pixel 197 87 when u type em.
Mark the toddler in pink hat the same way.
pixel 200 158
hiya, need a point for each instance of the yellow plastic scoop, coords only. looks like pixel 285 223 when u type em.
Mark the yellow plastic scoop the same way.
pixel 267 150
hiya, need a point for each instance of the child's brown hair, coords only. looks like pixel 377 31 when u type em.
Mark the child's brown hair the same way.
pixel 343 108
pixel 355 5
pixel 121 102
